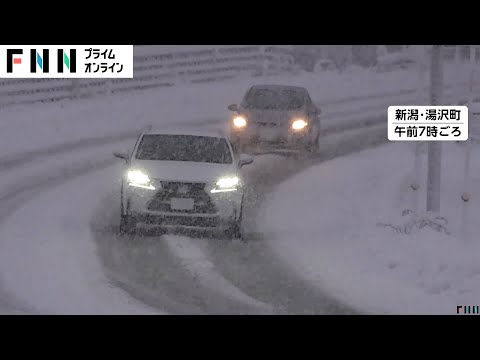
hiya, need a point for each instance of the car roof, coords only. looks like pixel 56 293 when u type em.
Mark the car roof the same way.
pixel 278 87
pixel 185 130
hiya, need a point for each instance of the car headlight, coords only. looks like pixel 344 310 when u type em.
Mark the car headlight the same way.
pixel 138 178
pixel 227 183
pixel 239 122
pixel 299 124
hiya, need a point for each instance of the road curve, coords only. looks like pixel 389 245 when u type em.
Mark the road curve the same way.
pixel 147 267
pixel 241 278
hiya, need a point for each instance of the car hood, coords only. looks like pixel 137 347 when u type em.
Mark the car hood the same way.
pixel 183 170
pixel 277 117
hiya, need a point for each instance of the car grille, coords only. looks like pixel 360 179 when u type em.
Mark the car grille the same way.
pixel 196 191
pixel 267 124
pixel 180 221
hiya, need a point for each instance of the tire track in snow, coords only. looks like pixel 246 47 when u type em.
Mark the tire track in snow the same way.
pixel 254 267
pixel 29 189
pixel 12 161
pixel 19 193
pixel 11 202
pixel 220 266
pixel 197 263
pixel 159 270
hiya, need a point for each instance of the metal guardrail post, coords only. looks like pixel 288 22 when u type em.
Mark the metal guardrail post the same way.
pixel 435 147
pixel 418 146
pixel 465 196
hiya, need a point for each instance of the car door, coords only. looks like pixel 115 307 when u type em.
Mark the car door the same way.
pixel 311 108
pixel 312 112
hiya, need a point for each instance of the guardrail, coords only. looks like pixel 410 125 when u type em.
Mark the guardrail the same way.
pixel 368 112
pixel 372 115
pixel 155 67
pixel 159 66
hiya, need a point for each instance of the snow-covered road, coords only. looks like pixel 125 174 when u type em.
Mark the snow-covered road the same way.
pixel 59 250
pixel 47 264
pixel 59 216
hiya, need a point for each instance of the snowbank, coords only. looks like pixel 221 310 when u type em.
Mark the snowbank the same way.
pixel 326 222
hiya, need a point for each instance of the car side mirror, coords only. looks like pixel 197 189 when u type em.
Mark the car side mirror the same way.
pixel 120 155
pixel 245 161
pixel 233 107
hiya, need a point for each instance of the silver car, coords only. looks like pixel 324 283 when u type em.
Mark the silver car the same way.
pixel 275 117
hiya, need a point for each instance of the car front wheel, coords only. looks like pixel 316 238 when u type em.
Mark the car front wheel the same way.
pixel 128 225
pixel 234 231
pixel 314 146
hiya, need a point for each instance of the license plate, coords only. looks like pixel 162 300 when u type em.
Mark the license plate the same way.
pixel 268 134
pixel 181 204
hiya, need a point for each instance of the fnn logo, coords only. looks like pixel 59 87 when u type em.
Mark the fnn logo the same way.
pixel 66 61
pixel 41 60
pixel 468 309
pixel 69 61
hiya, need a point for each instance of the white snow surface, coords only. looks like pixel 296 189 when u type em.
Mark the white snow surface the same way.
pixel 47 254
pixel 32 126
pixel 198 264
pixel 324 222
pixel 48 259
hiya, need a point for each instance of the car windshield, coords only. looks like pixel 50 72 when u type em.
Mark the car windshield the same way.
pixel 184 148
pixel 274 99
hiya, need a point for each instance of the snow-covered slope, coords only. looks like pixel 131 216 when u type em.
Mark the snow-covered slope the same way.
pixel 335 235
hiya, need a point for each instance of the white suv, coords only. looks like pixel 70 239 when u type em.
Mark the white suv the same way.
pixel 182 179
